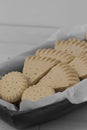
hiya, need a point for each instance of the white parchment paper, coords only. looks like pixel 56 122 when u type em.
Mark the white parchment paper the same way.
pixel 75 94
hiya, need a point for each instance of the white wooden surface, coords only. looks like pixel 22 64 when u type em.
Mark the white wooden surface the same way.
pixel 15 40
pixel 43 12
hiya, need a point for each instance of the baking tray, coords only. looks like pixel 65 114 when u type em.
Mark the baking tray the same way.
pixel 23 119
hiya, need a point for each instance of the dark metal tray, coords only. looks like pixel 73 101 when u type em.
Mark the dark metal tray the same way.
pixel 34 117
pixel 26 119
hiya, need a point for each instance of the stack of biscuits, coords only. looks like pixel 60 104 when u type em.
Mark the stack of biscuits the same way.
pixel 47 72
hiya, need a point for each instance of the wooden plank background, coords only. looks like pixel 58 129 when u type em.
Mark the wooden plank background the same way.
pixel 17 39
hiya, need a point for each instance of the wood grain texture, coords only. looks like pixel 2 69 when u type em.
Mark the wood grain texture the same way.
pixel 17 39
pixel 24 34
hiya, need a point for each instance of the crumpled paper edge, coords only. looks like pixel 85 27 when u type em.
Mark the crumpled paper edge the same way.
pixel 75 94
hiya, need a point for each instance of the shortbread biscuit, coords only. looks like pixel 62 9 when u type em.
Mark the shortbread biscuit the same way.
pixel 36 67
pixel 12 86
pixel 80 65
pixel 58 55
pixel 72 46
pixel 60 77
pixel 35 93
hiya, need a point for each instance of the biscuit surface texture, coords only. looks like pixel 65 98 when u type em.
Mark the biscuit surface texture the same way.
pixel 60 77
pixel 35 93
pixel 80 65
pixel 36 67
pixel 58 55
pixel 12 86
pixel 72 46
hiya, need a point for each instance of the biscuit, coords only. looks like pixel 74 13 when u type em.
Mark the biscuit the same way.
pixel 36 93
pixel 60 77
pixel 80 65
pixel 72 46
pixel 12 86
pixel 58 55
pixel 36 67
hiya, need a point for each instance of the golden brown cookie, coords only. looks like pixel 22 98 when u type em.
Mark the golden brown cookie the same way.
pixel 12 86
pixel 35 93
pixel 72 46
pixel 58 55
pixel 36 67
pixel 60 77
pixel 80 65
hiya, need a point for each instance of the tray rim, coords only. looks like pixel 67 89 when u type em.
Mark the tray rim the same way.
pixel 24 55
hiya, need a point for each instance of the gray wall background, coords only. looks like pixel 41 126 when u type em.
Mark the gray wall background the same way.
pixel 43 12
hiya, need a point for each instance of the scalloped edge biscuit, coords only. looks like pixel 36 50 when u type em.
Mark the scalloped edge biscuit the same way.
pixel 60 77
pixel 72 46
pixel 12 86
pixel 58 55
pixel 36 67
pixel 80 65
pixel 35 93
